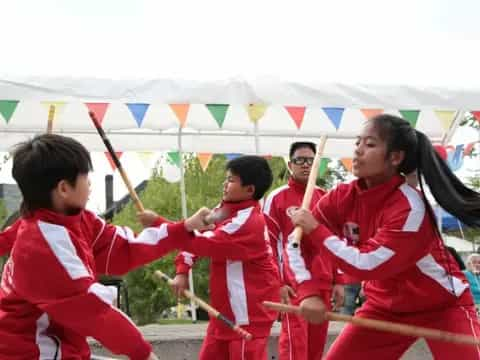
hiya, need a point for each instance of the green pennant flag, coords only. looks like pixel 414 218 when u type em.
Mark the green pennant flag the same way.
pixel 323 166
pixel 173 157
pixel 411 116
pixel 7 108
pixel 218 111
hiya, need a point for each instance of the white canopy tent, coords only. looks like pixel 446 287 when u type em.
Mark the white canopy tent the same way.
pixel 159 129
pixel 334 110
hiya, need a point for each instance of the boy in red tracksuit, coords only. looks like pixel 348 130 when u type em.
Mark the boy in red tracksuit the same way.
pixel 50 299
pixel 409 275
pixel 242 270
pixel 299 340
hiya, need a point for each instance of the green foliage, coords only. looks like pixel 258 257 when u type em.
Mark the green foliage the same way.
pixel 148 298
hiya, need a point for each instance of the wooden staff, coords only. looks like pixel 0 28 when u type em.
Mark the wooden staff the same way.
pixel 243 333
pixel 307 197
pixel 380 325
pixel 133 194
pixel 51 116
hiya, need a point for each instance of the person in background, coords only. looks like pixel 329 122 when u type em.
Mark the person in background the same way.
pixel 472 273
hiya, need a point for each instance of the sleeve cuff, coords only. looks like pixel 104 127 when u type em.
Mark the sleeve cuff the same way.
pixel 320 232
pixel 310 288
pixel 142 352
pixel 159 221
pixel 178 232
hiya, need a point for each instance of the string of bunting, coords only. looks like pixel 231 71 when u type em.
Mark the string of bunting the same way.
pixel 255 112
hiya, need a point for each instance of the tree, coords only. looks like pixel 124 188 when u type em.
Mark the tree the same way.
pixel 148 297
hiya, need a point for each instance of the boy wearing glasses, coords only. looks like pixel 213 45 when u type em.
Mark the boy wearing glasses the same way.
pixel 298 340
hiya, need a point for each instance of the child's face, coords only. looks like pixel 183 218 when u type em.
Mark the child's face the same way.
pixel 370 160
pixel 75 197
pixel 234 191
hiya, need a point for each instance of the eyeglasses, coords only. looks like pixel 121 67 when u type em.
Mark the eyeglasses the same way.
pixel 300 160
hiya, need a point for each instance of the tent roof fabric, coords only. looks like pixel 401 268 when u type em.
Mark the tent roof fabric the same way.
pixel 159 130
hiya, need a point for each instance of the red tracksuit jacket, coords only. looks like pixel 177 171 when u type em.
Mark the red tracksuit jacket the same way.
pixel 385 236
pixel 294 264
pixel 242 269
pixel 50 300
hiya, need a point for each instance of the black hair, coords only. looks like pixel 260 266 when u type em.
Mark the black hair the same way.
pixel 450 193
pixel 302 144
pixel 252 170
pixel 457 257
pixel 42 162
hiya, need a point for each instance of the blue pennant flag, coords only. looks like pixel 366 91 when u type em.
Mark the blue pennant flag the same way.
pixel 335 115
pixel 232 156
pixel 138 111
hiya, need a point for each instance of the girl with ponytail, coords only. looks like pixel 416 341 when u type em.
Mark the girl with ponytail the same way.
pixel 380 230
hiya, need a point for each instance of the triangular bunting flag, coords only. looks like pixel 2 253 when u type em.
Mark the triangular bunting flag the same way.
pixel 469 148
pixel 297 113
pixel 445 117
pixel 173 157
pixel 335 115
pixel 347 163
pixel 476 114
pixel 455 158
pixel 370 113
pixel 145 158
pixel 218 111
pixel 323 166
pixel 138 111
pixel 204 159
pixel 7 108
pixel 411 116
pixel 232 156
pixel 181 111
pixel 256 111
pixel 98 109
pixel 110 160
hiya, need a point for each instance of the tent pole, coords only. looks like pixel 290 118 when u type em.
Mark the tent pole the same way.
pixel 183 195
pixel 257 139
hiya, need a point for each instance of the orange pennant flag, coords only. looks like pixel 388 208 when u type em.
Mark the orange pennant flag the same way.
pixel 181 111
pixel 347 163
pixel 204 159
pixel 111 161
pixel 297 113
pixel 99 109
pixel 370 113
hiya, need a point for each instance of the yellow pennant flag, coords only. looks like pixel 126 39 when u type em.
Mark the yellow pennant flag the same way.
pixel 446 118
pixel 146 158
pixel 181 111
pixel 256 111
pixel 204 159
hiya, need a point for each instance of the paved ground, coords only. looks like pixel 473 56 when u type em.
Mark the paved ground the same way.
pixel 182 342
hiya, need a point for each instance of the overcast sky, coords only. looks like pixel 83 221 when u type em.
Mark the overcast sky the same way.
pixel 428 42
pixel 413 42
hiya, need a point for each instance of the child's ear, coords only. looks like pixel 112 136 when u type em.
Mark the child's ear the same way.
pixel 62 187
pixel 251 189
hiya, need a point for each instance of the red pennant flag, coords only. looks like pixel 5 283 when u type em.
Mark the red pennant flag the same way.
pixel 99 109
pixel 476 114
pixel 469 148
pixel 110 160
pixel 297 113
pixel 370 113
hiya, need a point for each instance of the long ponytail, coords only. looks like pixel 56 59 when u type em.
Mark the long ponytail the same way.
pixel 450 193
